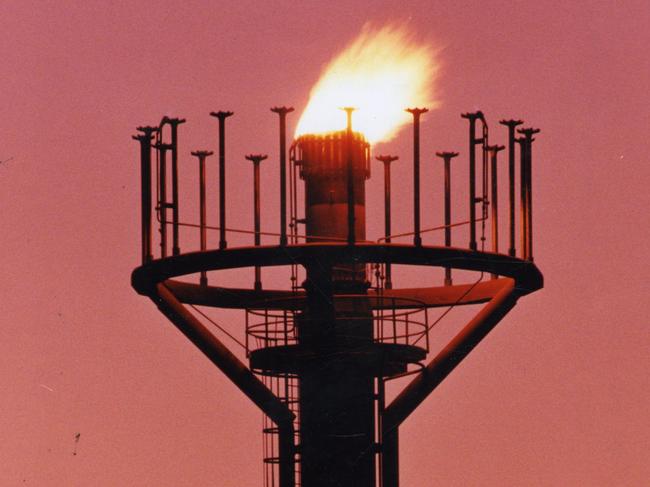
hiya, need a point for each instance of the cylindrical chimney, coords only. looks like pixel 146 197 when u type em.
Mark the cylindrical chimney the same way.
pixel 337 419
pixel 324 168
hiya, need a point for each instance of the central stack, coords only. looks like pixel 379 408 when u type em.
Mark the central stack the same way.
pixel 337 408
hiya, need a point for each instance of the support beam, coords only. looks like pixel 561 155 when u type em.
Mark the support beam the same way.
pixel 236 371
pixel 447 360
pixel 390 458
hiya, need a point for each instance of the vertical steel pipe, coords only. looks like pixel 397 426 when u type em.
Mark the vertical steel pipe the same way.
pixel 485 178
pixel 511 124
pixel 387 210
pixel 162 195
pixel 416 112
pixel 523 199
pixel 350 176
pixel 282 112
pixel 494 195
pixel 256 159
pixel 447 157
pixel 202 211
pixel 145 188
pixel 174 123
pixel 473 140
pixel 390 457
pixel 286 454
pixel 529 196
pixel 221 115
pixel 494 204
pixel 528 143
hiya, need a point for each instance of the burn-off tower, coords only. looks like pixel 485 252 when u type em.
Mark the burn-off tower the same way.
pixel 321 351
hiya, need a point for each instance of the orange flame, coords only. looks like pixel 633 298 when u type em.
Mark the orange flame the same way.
pixel 382 72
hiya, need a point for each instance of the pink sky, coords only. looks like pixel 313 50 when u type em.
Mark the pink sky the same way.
pixel 558 394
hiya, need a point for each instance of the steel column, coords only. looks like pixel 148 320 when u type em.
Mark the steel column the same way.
pixel 528 142
pixel 202 210
pixel 145 188
pixel 447 156
pixel 387 216
pixel 390 457
pixel 485 176
pixel 472 176
pixel 350 176
pixel 494 195
pixel 174 123
pixel 256 159
pixel 282 112
pixel 511 124
pixel 416 112
pixel 221 115
pixel 162 196
pixel 523 198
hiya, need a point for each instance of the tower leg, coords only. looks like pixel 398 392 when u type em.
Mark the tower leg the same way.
pixel 390 459
pixel 337 425
pixel 337 408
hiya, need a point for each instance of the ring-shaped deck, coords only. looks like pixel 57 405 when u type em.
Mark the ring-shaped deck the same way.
pixel 525 274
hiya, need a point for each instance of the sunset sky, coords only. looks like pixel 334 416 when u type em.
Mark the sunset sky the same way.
pixel 557 395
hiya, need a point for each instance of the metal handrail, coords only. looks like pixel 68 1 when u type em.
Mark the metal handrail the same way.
pixel 269 327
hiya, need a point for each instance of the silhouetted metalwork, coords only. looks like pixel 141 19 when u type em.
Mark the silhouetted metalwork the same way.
pixel 526 143
pixel 201 155
pixel 447 157
pixel 256 159
pixel 320 353
pixel 222 115
pixel 282 113
pixel 163 204
pixel 512 125
pixel 174 123
pixel 387 219
pixel 493 151
pixel 350 175
pixel 145 187
pixel 417 113
pixel 473 141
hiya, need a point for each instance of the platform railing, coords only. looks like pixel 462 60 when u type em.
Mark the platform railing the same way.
pixel 158 178
pixel 396 320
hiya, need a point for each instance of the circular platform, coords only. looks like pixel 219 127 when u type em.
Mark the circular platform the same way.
pixel 382 359
pixel 526 275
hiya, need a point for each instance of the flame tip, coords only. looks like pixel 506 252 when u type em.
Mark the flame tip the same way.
pixel 376 75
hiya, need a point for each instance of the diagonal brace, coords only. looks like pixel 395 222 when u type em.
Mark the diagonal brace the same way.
pixel 442 365
pixel 236 371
